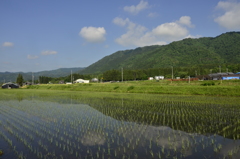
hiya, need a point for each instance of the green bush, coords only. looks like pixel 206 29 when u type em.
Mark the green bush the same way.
pixel 116 87
pixel 208 83
pixel 130 88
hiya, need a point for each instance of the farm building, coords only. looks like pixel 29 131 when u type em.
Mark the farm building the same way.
pixel 218 76
pixel 231 77
pixel 10 85
pixel 224 76
pixel 81 81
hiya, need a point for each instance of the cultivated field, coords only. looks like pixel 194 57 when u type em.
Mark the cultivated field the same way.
pixel 77 124
pixel 212 88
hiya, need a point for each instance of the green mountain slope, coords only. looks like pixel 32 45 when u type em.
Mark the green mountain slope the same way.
pixel 224 48
pixel 61 72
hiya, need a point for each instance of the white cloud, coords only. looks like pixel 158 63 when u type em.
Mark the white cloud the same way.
pixel 193 36
pixel 120 21
pixel 136 9
pixel 93 34
pixel 7 44
pixel 138 35
pixel 230 18
pixel 152 15
pixel 48 52
pixel 32 56
pixel 170 31
pixel 124 22
pixel 185 20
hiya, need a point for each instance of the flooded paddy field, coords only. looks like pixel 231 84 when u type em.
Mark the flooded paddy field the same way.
pixel 56 125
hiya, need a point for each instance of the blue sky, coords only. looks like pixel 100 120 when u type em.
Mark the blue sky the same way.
pixel 50 34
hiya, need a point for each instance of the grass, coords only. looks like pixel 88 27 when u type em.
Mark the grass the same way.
pixel 209 88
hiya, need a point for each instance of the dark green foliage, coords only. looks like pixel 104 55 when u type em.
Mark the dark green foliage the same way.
pixel 188 53
pixel 130 88
pixel 208 83
pixel 19 80
pixel 116 87
pixel 73 77
pixel 61 72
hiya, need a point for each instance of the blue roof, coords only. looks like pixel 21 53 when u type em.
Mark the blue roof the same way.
pixel 237 73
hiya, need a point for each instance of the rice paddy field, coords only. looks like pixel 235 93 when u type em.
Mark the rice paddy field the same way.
pixel 51 124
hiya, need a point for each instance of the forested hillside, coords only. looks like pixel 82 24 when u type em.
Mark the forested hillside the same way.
pixel 61 72
pixel 221 50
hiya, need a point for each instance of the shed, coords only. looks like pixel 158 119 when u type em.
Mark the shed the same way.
pixel 10 85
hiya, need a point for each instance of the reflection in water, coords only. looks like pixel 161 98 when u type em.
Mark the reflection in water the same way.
pixel 107 128
pixel 91 138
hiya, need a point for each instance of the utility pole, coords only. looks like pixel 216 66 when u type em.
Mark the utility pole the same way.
pixel 172 72
pixel 32 79
pixel 71 76
pixel 122 74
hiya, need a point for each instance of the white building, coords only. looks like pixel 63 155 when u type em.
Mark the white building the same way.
pixel 150 78
pixel 81 81
pixel 159 77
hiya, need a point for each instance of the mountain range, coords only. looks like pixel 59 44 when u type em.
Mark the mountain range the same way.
pixel 61 72
pixel 223 49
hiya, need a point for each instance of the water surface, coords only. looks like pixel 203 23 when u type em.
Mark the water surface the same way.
pixel 118 126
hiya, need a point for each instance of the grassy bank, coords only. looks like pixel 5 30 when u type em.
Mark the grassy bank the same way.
pixel 212 88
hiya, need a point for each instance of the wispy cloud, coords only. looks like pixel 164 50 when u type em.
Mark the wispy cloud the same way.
pixel 152 15
pixel 136 9
pixel 230 18
pixel 93 34
pixel 7 44
pixel 48 52
pixel 32 56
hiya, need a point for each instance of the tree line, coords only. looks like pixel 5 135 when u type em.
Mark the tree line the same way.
pixel 182 72
pixel 139 74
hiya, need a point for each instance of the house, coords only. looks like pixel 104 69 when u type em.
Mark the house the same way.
pixel 224 76
pixel 94 80
pixel 218 76
pixel 61 82
pixel 81 81
pixel 10 85
pixel 150 78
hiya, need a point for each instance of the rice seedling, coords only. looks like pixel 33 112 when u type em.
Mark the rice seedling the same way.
pixel 91 126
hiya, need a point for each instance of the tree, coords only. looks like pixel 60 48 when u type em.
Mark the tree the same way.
pixel 19 80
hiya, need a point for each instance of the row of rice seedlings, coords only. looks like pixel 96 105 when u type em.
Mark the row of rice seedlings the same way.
pixel 182 116
pixel 126 142
pixel 189 119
